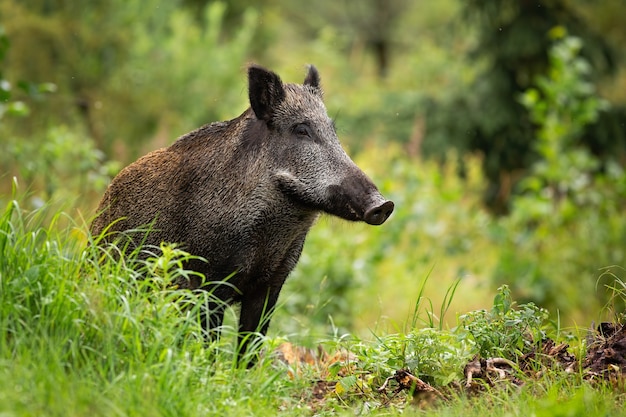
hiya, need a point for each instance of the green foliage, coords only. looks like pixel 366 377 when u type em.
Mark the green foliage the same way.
pixel 64 165
pixel 505 331
pixel 436 356
pixel 9 106
pixel 126 72
pixel 439 356
pixel 485 116
pixel 61 165
pixel 565 197
pixel 75 46
pixel 562 105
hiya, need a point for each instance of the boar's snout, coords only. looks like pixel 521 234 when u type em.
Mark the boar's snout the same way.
pixel 378 212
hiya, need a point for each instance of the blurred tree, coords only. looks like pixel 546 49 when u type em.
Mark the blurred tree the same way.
pixel 369 23
pixel 512 44
pixel 234 17
pixel 76 45
pixel 63 165
pixel 126 71
pixel 190 76
pixel 7 106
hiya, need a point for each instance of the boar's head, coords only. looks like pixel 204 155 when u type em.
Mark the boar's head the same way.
pixel 309 164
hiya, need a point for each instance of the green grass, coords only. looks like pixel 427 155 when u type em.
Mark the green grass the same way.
pixel 550 399
pixel 80 335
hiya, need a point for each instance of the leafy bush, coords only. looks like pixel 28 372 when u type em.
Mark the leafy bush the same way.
pixel 568 222
pixel 562 105
pixel 505 331
pixel 63 166
pixel 439 356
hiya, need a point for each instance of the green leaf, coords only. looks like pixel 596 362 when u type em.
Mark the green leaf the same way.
pixel 347 382
pixel 18 108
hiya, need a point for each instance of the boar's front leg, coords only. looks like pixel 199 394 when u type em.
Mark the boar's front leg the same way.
pixel 254 319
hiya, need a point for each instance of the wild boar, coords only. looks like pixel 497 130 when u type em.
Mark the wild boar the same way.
pixel 242 194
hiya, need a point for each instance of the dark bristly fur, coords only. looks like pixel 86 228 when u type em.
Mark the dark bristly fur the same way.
pixel 242 194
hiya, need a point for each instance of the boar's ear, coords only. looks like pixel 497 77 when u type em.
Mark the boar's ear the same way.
pixel 265 90
pixel 312 77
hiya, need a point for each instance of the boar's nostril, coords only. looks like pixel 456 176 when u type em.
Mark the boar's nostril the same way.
pixel 378 214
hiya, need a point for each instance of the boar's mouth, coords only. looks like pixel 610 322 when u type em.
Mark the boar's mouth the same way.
pixel 355 203
pixel 370 207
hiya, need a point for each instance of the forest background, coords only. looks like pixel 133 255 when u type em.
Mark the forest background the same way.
pixel 496 126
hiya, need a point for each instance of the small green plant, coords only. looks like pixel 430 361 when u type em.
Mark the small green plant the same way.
pixel 439 355
pixel 505 331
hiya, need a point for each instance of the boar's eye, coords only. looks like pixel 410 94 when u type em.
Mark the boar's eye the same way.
pixel 303 130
